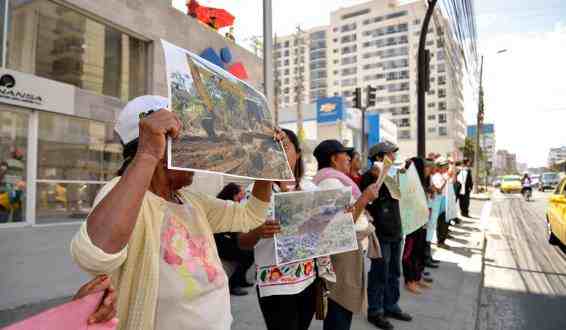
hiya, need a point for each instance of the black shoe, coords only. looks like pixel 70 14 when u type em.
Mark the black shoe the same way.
pixel 399 316
pixel 237 291
pixel 434 261
pixel 246 284
pixel 429 264
pixel 380 322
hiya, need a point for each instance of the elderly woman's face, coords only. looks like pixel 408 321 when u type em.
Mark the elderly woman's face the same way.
pixel 341 162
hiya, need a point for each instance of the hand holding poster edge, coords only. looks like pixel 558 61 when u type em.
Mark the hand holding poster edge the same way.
pixel 169 46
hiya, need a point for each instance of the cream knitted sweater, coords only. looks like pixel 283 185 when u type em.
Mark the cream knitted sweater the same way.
pixel 135 269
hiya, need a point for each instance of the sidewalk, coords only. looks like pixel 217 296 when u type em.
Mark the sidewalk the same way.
pixel 450 305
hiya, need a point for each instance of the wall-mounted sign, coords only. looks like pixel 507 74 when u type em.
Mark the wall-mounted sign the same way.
pixel 30 91
pixel 330 109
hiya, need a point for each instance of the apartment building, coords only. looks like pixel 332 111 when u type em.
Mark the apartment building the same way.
pixel 376 43
pixel 556 155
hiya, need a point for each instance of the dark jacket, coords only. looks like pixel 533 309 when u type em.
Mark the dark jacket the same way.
pixel 384 211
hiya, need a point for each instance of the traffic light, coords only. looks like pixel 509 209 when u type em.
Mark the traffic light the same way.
pixel 371 96
pixel 357 98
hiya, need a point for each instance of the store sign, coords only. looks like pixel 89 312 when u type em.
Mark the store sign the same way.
pixel 30 91
pixel 330 109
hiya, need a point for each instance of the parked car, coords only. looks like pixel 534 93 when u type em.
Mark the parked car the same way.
pixel 511 184
pixel 556 215
pixel 549 180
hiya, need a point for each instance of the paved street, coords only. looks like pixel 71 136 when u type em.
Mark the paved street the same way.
pixel 525 277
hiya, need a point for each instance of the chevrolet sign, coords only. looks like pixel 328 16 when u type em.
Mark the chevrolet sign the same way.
pixel 328 107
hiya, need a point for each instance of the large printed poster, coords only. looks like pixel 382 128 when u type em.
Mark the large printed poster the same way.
pixel 413 202
pixel 227 125
pixel 313 224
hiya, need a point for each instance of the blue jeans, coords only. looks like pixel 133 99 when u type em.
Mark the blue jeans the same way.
pixel 337 317
pixel 383 280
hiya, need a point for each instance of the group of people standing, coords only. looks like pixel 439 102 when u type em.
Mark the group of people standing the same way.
pixel 161 245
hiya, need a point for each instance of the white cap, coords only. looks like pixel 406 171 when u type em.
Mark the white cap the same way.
pixel 127 125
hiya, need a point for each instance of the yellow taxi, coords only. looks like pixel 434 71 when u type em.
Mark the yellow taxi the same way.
pixel 511 184
pixel 556 215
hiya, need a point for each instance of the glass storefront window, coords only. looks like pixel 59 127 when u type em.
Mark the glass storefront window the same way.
pixel 75 158
pixel 55 42
pixel 13 152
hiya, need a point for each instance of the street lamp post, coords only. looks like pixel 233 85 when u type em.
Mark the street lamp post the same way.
pixel 479 122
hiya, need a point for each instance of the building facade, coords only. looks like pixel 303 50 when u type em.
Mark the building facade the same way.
pixel 556 155
pixel 505 162
pixel 376 43
pixel 68 67
pixel 487 141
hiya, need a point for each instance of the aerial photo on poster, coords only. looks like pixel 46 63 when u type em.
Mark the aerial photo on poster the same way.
pixel 313 224
pixel 227 124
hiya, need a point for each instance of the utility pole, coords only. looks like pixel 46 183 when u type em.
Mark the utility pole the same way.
pixel 268 52
pixel 370 103
pixel 299 43
pixel 423 81
pixel 478 132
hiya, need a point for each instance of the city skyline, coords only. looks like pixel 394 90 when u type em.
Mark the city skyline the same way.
pixel 501 25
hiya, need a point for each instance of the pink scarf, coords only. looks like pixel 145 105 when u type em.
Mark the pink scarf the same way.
pixel 330 173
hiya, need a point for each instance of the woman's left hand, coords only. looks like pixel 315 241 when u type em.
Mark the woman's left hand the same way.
pixel 106 311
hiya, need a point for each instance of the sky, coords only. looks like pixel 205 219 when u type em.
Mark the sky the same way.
pixel 525 93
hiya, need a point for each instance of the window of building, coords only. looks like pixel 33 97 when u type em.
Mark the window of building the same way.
pixel 417 22
pixel 441 67
pixel 441 93
pixel 349 49
pixel 356 13
pixel 432 117
pixel 442 118
pixel 348 38
pixel 75 49
pixel 397 14
pixel 349 60
pixel 441 80
pixel 348 27
pixel 286 72
pixel 349 71
pixel 286 53
pixel 286 62
pixel 349 82
pixel 441 106
pixel 442 131
pixel 404 135
pixel 318 35
pixel 405 122
pixel 432 130
pixel 431 105
pixel 287 44
pixel 286 81
pixel 75 158
pixel 13 165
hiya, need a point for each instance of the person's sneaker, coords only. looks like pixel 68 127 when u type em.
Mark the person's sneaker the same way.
pixel 399 316
pixel 237 291
pixel 380 322
pixel 434 261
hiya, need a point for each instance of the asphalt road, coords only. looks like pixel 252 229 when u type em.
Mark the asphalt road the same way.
pixel 524 284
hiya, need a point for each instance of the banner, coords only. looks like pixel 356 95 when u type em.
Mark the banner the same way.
pixel 313 224
pixel 413 202
pixel 227 125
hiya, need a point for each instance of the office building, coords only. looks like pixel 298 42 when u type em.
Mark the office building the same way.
pixel 69 67
pixel 556 155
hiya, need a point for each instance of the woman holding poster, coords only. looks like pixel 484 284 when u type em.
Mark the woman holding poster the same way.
pixel 348 294
pixel 155 239
pixel 286 293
